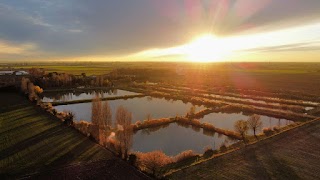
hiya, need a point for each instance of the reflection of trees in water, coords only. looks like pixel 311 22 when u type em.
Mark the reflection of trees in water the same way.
pixel 148 131
pixel 114 91
pixel 230 139
pixel 66 96
pixel 183 124
pixel 270 122
pixel 208 133
pixel 220 135
pixel 149 98
pixel 195 128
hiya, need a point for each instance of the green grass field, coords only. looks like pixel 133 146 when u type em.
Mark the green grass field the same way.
pixel 98 68
pixel 76 70
pixel 302 77
pixel 33 141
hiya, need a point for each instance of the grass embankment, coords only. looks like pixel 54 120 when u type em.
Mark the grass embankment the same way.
pixel 235 107
pixel 227 99
pixel 207 127
pixel 102 99
pixel 75 89
pixel 293 154
pixel 279 96
pixel 34 141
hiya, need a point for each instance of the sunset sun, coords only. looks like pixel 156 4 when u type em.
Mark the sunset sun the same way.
pixel 206 48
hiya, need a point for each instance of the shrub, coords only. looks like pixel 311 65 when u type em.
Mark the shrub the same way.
pixel 208 153
pixel 68 120
pixel 276 128
pixel 38 89
pixel 83 127
pixel 54 112
pixel 138 123
pixel 132 159
pixel 267 131
pixel 184 155
pixel 151 161
pixel 151 123
pixel 223 148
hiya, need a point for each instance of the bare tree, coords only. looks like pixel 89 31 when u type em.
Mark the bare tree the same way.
pixel 106 115
pixel 32 94
pixel 36 72
pixel 24 85
pixel 101 117
pixel 254 123
pixel 241 127
pixel 125 132
pixel 96 115
pixel 99 81
pixel 192 111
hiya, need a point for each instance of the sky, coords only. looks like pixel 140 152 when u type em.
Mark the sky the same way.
pixel 154 30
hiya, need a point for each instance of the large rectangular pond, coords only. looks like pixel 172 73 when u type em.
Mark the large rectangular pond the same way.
pixel 72 96
pixel 140 108
pixel 174 139
pixel 227 120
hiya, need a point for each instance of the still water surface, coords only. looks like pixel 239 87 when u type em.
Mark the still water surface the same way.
pixel 72 96
pixel 174 139
pixel 227 120
pixel 140 108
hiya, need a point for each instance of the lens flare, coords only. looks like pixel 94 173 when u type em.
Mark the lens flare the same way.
pixel 207 48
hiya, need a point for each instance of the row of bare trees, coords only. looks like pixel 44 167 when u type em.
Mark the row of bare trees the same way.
pixel 102 117
pixel 55 79
pixel 27 87
pixel 125 133
pixel 101 113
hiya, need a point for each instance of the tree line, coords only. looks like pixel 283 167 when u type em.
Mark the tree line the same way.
pixel 28 88
pixel 54 79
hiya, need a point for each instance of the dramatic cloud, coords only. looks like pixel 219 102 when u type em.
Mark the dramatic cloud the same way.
pixel 76 28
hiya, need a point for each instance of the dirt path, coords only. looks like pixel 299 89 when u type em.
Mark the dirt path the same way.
pixel 291 155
